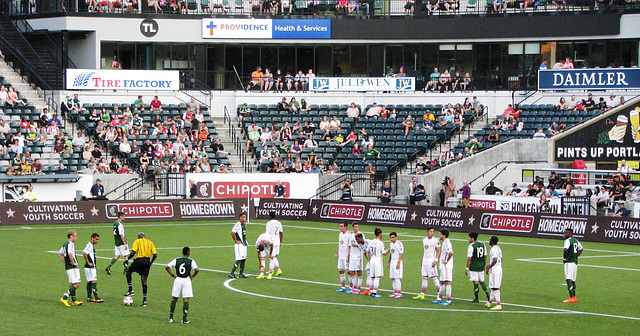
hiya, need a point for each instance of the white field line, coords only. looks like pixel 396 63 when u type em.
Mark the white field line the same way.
pixel 580 265
pixel 545 310
pixel 587 257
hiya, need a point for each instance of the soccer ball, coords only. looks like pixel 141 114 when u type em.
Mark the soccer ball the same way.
pixel 127 301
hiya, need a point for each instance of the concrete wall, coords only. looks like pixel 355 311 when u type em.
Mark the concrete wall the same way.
pixel 113 181
pixel 472 167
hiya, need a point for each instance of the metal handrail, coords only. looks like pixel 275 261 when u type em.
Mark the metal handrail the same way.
pixel 503 162
pixel 10 50
pixel 123 185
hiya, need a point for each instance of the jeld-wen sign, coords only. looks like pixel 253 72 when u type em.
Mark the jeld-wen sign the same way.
pixel 362 84
pixel 589 79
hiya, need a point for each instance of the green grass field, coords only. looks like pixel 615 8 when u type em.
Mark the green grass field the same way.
pixel 303 300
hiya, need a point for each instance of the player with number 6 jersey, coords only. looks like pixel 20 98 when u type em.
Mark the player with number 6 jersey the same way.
pixel 182 282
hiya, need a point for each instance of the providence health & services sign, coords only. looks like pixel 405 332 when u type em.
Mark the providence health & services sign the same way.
pixel 213 28
pixel 135 80
pixel 589 79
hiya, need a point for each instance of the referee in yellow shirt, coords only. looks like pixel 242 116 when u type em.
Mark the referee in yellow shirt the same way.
pixel 145 252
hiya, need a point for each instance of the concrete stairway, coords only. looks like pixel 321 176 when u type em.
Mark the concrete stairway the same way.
pixel 226 140
pixel 25 89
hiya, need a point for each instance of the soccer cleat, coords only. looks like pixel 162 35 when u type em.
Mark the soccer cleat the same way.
pixel 375 295
pixel 242 276
pixel 575 299
pixel 569 300
pixel 341 290
pixel 355 291
pixel 232 276
pixel 393 296
pixel 129 293
pixel 95 300
pixel 143 304
pixel 77 303
pixel 170 320
pixel 436 302
pixel 107 270
pixel 399 296
pixel 446 303
pixel 269 277
pixel 419 297
pixel 497 308
pixel 474 301
pixel 278 272
pixel 366 292
pixel 64 302
pixel 186 321
pixel 488 305
pixel 261 276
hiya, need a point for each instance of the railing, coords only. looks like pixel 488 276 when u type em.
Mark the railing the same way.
pixel 194 88
pixel 364 185
pixel 22 64
pixel 238 143
pixel 504 168
pixel 379 8
pixel 123 185
pixel 580 176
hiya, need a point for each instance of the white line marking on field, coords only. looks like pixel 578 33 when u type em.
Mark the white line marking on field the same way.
pixel 587 257
pixel 581 265
pixel 546 310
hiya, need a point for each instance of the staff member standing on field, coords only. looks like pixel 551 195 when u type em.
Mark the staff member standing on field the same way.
pixel 143 249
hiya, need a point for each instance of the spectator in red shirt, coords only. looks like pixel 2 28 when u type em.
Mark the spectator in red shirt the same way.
pixel 156 104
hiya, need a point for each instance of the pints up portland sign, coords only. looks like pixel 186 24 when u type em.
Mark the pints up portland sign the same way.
pixel 610 138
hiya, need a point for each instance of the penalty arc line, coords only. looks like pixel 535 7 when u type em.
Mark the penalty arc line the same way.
pixel 546 310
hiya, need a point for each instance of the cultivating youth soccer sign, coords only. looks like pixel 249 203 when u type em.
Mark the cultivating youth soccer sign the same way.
pixel 589 79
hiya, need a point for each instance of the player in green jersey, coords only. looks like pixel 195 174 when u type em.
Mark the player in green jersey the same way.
pixel 89 254
pixel 572 250
pixel 67 254
pixel 122 248
pixel 239 235
pixel 182 282
pixel 476 260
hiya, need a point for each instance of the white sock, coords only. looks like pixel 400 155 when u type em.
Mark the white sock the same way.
pixel 437 284
pixel 440 292
pixel 399 285
pixel 342 279
pixel 498 297
pixel 491 296
pixel 394 285
pixel 448 289
pixel 359 281
pixel 352 281
pixel 376 283
pixel 276 263
pixel 368 283
pixel 271 266
pixel 425 284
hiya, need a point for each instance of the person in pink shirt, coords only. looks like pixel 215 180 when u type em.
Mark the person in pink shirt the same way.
pixel 156 104
pixel 567 63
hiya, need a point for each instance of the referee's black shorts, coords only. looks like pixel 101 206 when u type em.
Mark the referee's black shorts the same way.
pixel 141 266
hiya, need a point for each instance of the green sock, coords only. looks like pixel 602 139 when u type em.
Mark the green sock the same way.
pixel 570 287
pixel 88 290
pixel 72 293
pixel 475 290
pixel 484 288
pixel 113 261
pixel 65 295
pixel 172 309
pixel 185 310
pixel 242 266
pixel 235 266
pixel 573 283
pixel 94 289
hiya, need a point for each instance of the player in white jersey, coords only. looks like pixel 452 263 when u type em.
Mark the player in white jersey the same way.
pixel 354 259
pixel 363 245
pixel 432 249
pixel 89 254
pixel 376 252
pixel 342 253
pixel 274 228
pixel 494 269
pixel 265 247
pixel 396 251
pixel 446 268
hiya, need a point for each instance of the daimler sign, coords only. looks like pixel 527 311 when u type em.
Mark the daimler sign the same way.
pixel 589 79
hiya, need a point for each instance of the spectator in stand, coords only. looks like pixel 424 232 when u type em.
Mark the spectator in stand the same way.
pixel 540 134
pixel 408 125
pixel 515 190
pixel 353 111
pixel 624 169
pixel 466 194
pixel 499 5
pixel 12 98
pixel 446 156
pixel 374 111
pixel 444 82
pixel 268 79
pixel 325 124
pixel 421 167
pixel 621 211
pixel 492 189
pixel 97 190
pixel 385 192
pixel 138 104
pixel 589 104
pixel 562 105
pixel 602 105
pixel 156 105
pixel 334 124
pixel 125 146
pixel 351 138
pixel 257 79
pixel 218 147
pixel 371 154
pixel 4 128
pixel 494 137
pixel 3 96
pixel 568 64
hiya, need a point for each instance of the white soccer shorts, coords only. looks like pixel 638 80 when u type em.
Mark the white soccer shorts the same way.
pixel 476 276
pixel 182 286
pixel 73 275
pixel 446 272
pixel 570 271
pixel 241 251
pixel 276 249
pixel 376 269
pixel 342 264
pixel 90 274
pixel 428 270
pixel 495 278
pixel 395 273
pixel 355 264
pixel 121 250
